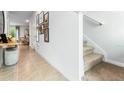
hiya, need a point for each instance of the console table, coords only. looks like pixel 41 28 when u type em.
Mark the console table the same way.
pixel 6 45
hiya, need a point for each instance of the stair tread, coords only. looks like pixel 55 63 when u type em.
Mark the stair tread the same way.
pixel 86 48
pixel 88 52
pixel 90 58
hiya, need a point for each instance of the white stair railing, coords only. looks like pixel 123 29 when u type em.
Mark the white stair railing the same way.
pixel 93 20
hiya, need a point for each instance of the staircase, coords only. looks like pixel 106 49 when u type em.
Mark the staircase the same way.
pixel 90 57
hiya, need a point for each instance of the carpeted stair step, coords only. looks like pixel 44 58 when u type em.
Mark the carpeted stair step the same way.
pixel 91 60
pixel 87 50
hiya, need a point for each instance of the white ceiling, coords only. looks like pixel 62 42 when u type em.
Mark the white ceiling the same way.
pixel 19 17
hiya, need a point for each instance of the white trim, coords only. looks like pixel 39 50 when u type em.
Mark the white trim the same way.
pixel 81 62
pixel 117 63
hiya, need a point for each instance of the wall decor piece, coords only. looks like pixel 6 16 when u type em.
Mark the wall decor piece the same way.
pixel 45 12
pixel 41 22
pixel 42 25
pixel 41 17
pixel 46 26
pixel 37 35
pixel 37 20
pixel 46 35
pixel 37 28
pixel 42 29
pixel 46 20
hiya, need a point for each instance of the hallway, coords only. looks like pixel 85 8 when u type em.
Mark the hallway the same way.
pixel 30 67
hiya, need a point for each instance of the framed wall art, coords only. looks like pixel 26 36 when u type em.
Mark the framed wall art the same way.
pixel 37 20
pixel 37 35
pixel 46 35
pixel 46 26
pixel 41 17
pixel 41 30
pixel 42 25
pixel 37 28
pixel 46 20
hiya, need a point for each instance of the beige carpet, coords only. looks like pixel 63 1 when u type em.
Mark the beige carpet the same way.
pixel 105 72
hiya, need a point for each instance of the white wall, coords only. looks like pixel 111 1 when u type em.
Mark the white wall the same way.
pixel 109 36
pixel 22 30
pixel 32 32
pixel 62 50
pixel 6 15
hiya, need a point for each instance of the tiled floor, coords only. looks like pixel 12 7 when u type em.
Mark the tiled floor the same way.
pixel 105 71
pixel 30 67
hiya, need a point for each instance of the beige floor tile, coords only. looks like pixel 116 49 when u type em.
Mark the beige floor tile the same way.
pixel 105 72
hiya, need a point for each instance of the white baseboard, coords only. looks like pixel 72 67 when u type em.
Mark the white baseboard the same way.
pixel 117 63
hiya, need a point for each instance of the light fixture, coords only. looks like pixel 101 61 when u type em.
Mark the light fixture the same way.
pixel 27 21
